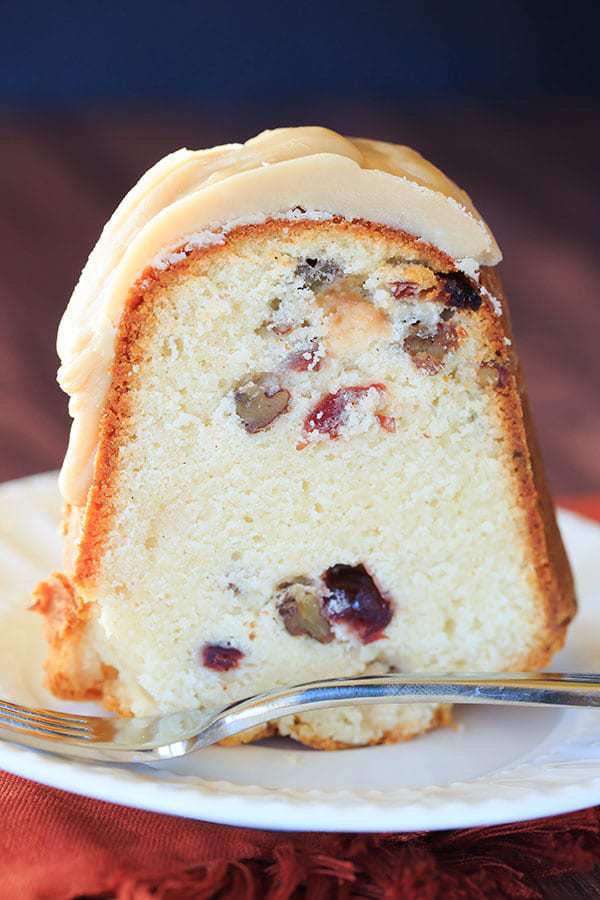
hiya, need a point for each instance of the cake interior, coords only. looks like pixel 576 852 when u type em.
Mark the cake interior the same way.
pixel 312 477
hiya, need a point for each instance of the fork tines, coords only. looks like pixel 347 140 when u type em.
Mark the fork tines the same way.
pixel 44 722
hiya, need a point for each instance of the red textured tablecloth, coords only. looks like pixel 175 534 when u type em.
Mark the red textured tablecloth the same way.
pixel 55 846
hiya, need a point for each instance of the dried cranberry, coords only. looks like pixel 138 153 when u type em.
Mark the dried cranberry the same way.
pixel 221 657
pixel 460 293
pixel 403 289
pixel 388 423
pixel 355 600
pixel 327 416
pixel 308 360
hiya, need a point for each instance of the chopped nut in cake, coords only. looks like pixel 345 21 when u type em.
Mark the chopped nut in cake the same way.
pixel 300 605
pixel 428 350
pixel 316 273
pixel 493 373
pixel 259 401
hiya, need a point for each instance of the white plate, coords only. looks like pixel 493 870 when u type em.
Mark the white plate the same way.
pixel 499 765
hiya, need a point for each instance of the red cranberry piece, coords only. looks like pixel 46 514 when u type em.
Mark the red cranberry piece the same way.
pixel 308 360
pixel 355 600
pixel 221 657
pixel 401 290
pixel 327 416
pixel 388 423
pixel 460 293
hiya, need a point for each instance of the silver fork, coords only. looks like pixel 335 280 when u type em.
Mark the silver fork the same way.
pixel 140 740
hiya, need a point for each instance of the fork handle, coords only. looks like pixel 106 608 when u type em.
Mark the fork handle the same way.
pixel 521 689
pixel 177 734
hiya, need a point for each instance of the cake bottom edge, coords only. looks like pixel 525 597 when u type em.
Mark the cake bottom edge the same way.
pixel 74 673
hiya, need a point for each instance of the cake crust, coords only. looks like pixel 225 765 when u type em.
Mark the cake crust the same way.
pixel 551 562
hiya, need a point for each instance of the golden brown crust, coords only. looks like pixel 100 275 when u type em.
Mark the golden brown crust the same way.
pixel 113 432
pixel 554 581
pixel 56 599
pixel 547 553
pixel 248 737
pixel 65 620
pixel 441 718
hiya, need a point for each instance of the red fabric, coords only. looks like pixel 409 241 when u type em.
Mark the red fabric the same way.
pixel 56 846
pixel 586 504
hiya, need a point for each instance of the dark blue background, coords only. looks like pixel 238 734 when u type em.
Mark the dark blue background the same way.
pixel 69 54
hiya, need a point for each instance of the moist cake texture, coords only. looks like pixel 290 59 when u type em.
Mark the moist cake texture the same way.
pixel 313 459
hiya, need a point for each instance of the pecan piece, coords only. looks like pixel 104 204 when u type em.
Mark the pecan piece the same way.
pixel 493 373
pixel 259 401
pixel 317 273
pixel 428 351
pixel 300 606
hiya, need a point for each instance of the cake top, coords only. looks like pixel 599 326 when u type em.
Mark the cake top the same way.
pixel 191 198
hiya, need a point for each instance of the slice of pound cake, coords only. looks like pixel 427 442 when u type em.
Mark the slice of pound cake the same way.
pixel 300 446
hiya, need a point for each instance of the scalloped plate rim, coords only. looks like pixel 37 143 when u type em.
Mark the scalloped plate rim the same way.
pixel 520 791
